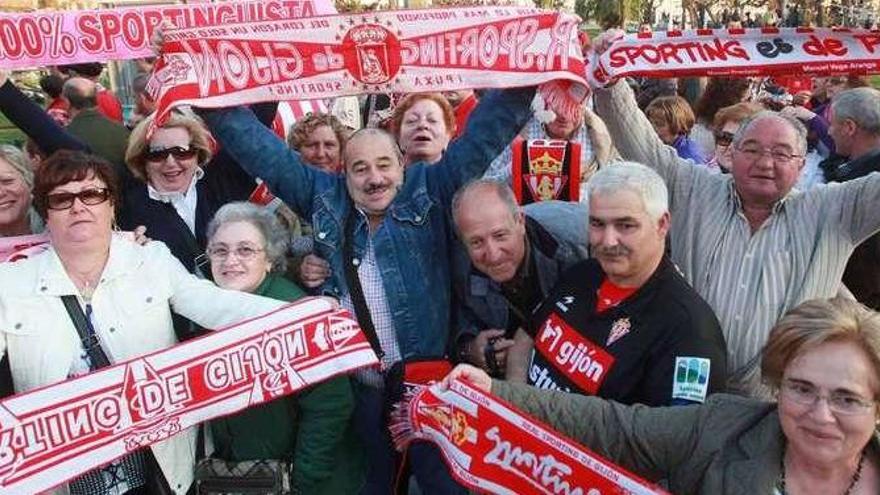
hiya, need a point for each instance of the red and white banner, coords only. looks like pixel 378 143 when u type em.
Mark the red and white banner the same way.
pixel 54 38
pixel 21 247
pixel 54 433
pixel 492 447
pixel 739 53
pixel 398 51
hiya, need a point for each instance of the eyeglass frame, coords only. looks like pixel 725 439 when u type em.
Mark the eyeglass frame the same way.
pixel 788 157
pixel 724 135
pixel 833 399
pixel 212 254
pixel 105 192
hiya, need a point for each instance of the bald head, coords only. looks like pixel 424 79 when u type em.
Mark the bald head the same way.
pixel 354 144
pixel 81 93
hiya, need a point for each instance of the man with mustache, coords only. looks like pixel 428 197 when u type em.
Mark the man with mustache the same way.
pixel 387 229
pixel 624 325
pixel 512 258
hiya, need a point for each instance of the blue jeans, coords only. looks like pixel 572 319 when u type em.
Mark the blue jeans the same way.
pixel 425 461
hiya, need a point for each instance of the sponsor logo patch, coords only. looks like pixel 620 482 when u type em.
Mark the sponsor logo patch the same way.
pixel 691 380
pixel 582 361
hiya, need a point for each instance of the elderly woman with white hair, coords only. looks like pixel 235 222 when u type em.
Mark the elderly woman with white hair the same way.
pixel 17 216
pixel 246 247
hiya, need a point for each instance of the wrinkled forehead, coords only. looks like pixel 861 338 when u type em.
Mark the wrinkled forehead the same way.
pixel 369 146
pixel 770 131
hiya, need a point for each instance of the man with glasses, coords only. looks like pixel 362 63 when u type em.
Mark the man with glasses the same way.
pixel 748 243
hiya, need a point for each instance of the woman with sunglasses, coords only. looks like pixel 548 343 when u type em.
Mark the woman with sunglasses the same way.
pixel 124 291
pixel 725 125
pixel 820 435
pixel 182 184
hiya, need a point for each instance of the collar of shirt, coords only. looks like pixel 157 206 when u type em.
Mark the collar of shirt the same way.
pixel 737 200
pixel 172 197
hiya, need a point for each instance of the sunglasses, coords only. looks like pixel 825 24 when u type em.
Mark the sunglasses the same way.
pixel 723 138
pixel 178 152
pixel 90 197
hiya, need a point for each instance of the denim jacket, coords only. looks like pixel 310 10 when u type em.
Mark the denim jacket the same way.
pixel 557 235
pixel 413 242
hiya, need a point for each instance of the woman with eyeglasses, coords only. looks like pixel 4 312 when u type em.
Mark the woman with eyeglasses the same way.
pixel 125 292
pixel 311 430
pixel 819 437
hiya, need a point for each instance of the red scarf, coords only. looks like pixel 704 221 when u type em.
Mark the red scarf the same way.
pixel 492 447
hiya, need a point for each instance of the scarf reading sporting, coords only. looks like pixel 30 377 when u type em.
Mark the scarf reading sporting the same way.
pixel 54 433
pixel 492 447
pixel 739 53
pixel 46 38
pixel 397 51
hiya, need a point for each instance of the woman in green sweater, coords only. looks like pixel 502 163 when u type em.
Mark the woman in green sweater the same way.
pixel 246 246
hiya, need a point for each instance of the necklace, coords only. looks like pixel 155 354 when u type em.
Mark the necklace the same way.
pixel 780 485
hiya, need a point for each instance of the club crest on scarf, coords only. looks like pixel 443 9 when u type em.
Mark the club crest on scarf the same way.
pixel 547 169
pixel 370 49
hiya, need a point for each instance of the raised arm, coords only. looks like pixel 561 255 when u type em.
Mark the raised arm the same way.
pixel 856 204
pixel 651 442
pixel 636 140
pixel 494 123
pixel 35 122
pixel 262 154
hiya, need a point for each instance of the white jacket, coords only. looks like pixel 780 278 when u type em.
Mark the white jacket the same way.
pixel 132 314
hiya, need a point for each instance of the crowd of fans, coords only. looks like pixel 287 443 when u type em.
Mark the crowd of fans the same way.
pixel 694 318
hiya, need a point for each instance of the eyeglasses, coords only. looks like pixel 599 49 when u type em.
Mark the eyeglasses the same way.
pixel 178 152
pixel 91 197
pixel 244 253
pixel 723 138
pixel 780 156
pixel 843 403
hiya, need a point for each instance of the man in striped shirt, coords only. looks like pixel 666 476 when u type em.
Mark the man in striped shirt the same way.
pixel 749 243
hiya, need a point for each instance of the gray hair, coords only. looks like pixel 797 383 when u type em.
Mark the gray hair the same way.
pixel 370 132
pixel 501 189
pixel 264 220
pixel 861 105
pixel 15 157
pixel 796 125
pixel 634 177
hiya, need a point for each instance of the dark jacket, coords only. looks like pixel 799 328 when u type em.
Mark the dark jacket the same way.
pixel 105 137
pixel 310 428
pixel 557 236
pixel 731 445
pixel 862 274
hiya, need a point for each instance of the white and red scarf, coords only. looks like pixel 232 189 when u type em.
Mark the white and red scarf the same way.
pixel 54 433
pixel 739 53
pixel 397 51
pixel 492 447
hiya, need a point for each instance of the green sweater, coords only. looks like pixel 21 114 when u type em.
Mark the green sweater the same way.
pixel 311 428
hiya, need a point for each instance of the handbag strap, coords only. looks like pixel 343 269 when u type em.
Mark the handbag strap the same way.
pixel 86 331
pixel 361 311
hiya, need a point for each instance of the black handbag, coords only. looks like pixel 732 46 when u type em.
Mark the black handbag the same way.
pixel 257 477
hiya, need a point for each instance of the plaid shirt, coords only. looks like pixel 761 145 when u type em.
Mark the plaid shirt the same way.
pixel 374 293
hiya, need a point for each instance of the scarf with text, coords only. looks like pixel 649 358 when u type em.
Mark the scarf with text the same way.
pixel 738 53
pixel 492 447
pixel 395 51
pixel 54 433
pixel 46 38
